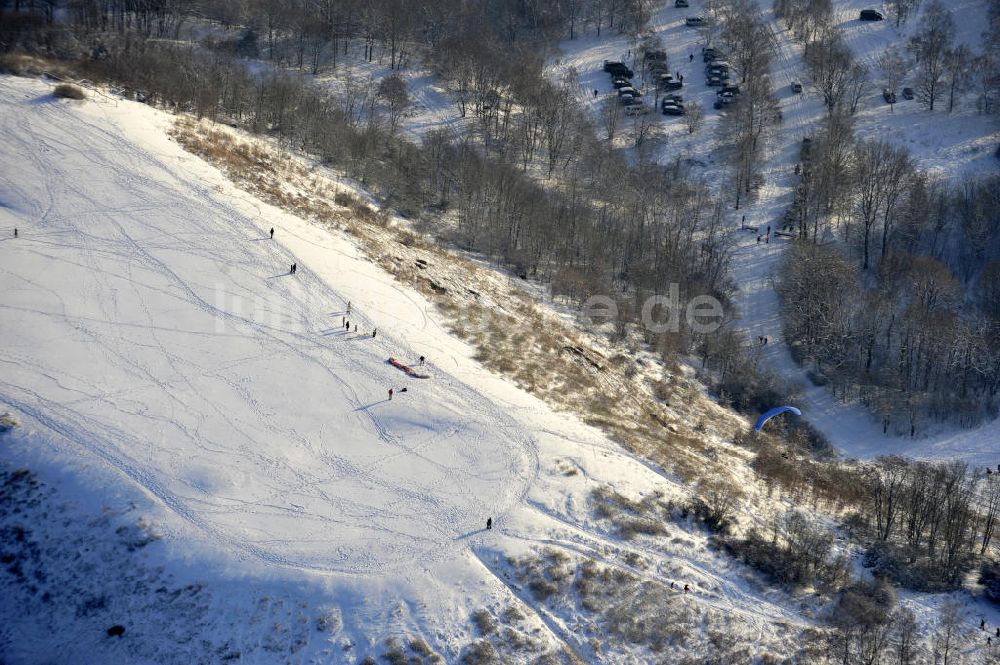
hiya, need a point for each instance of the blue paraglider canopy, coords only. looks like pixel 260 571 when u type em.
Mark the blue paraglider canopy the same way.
pixel 767 415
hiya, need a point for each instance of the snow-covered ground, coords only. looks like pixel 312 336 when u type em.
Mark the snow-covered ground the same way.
pixel 221 454
pixel 949 145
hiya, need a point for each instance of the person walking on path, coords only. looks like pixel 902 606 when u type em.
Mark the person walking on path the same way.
pixel 489 523
pixel 690 57
pixel 291 269
pixel 272 233
pixel 686 588
pixel 421 360
pixel 347 324
pixel 758 240
pixel 348 306
pixel 374 330
pixel 15 231
pixel 390 394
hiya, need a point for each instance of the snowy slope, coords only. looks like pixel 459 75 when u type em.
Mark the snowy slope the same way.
pixel 124 296
pixel 167 369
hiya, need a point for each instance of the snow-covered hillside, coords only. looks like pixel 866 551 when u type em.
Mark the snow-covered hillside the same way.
pixel 212 460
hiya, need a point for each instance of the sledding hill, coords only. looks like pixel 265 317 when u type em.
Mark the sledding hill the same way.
pixel 161 330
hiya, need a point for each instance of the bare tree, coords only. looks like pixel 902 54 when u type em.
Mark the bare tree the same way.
pixel 611 118
pixel 858 83
pixel 830 62
pixel 395 96
pixel 902 9
pixel 694 116
pixel 893 67
pixel 947 634
pixel 930 47
pixel 958 66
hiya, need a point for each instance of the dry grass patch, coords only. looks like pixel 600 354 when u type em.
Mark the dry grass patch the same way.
pixel 68 91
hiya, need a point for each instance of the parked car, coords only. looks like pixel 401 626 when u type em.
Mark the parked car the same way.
pixel 889 96
pixel 680 4
pixel 628 100
pixel 672 108
pixel 695 21
pixel 709 53
pixel 628 90
pixel 908 93
pixel 636 109
pixel 620 82
pixel 714 81
pixel 871 15
pixel 726 98
pixel 617 69
pixel 733 88
pixel 796 87
pixel 654 55
pixel 668 82
pixel 676 99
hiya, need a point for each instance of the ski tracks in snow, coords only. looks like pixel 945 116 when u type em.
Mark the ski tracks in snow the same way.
pixel 156 264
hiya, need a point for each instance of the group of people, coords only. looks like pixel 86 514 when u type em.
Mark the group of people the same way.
pixel 989 638
pixel 347 326
pixel 766 236
pixel 761 340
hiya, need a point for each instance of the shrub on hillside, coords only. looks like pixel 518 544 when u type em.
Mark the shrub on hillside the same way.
pixel 911 569
pixel 989 577
pixel 67 91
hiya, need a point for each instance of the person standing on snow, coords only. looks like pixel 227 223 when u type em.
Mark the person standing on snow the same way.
pixel 421 360
pixel 390 394
pixel 272 233
pixel 374 330
pixel 489 523
pixel 348 306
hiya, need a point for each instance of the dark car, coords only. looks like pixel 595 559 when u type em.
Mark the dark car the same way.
pixel 668 82
pixel 733 88
pixel 673 109
pixel 714 81
pixel 617 69
pixel 655 55
pixel 796 87
pixel 628 90
pixel 680 4
pixel 695 21
pixel 620 82
pixel 870 15
pixel 908 93
pixel 708 54
pixel 673 99
pixel 889 96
